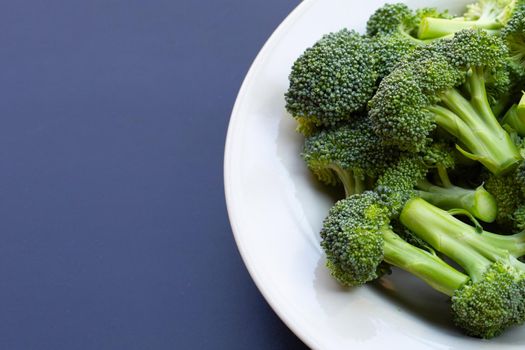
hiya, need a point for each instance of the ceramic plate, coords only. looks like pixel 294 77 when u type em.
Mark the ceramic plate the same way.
pixel 276 210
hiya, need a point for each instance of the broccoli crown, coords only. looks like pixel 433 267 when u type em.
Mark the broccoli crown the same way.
pixel 509 197
pixel 399 108
pixel 514 32
pixel 390 50
pixel 391 18
pixel 391 29
pixel 519 176
pixel 475 48
pixel 440 154
pixel 518 218
pixel 504 85
pixel 516 74
pixel 399 181
pixel 485 308
pixel 332 80
pixel 352 239
pixel 351 154
pixel 404 175
pixel 444 84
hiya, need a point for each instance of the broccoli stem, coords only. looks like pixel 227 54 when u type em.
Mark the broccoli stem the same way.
pixel 515 120
pixel 478 202
pixel 445 234
pixel 443 176
pixel 433 28
pixel 475 126
pixel 501 105
pixel 430 268
pixel 452 237
pixel 347 179
pixel 514 244
pixel 515 117
pixel 353 183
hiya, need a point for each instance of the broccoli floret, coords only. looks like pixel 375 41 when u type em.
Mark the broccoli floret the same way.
pixel 391 29
pixel 351 154
pixel 494 298
pixel 409 178
pixel 398 18
pixel 514 32
pixel 429 91
pixel 490 15
pixel 358 240
pixel 518 218
pixel 351 237
pixel 392 18
pixel 332 81
pixel 505 87
pixel 390 50
pixel 508 190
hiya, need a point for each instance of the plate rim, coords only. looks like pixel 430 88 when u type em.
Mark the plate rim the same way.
pixel 235 123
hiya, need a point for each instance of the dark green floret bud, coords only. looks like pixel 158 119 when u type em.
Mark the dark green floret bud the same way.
pixel 332 81
pixel 351 237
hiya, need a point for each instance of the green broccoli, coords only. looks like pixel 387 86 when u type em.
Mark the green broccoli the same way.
pixel 392 29
pixel 351 154
pixel 490 15
pixel 478 254
pixel 332 81
pixel 509 198
pixel 399 19
pixel 409 178
pixel 514 32
pixel 443 84
pixel 504 86
pixel 358 240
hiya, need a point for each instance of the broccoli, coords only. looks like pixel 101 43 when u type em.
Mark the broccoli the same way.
pixel 418 121
pixel 351 154
pixel 332 81
pixel 358 241
pixel 391 29
pixel 505 87
pixel 489 15
pixel 392 18
pixel 408 178
pixel 398 18
pixel 489 259
pixel 508 196
pixel 443 84
pixel 514 32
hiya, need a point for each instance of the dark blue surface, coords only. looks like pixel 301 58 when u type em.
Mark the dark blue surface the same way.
pixel 113 230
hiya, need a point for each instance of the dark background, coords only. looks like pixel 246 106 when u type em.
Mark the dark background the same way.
pixel 113 227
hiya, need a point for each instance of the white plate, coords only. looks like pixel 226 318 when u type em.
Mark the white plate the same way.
pixel 276 210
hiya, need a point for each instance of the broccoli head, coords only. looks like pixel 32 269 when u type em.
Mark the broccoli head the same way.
pixel 391 29
pixel 494 297
pixel 444 84
pixel 332 81
pixel 358 241
pixel 350 154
